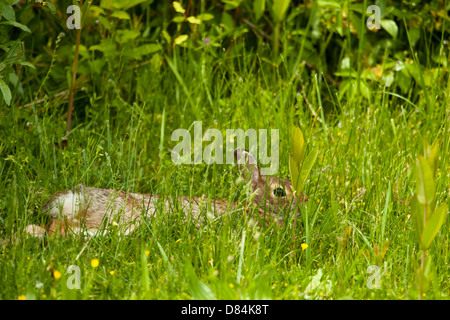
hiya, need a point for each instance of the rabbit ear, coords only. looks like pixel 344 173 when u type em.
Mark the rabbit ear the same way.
pixel 247 165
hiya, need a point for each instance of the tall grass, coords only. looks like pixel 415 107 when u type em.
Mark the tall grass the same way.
pixel 358 191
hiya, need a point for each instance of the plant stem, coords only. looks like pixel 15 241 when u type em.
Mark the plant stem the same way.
pixel 276 39
pixel 74 77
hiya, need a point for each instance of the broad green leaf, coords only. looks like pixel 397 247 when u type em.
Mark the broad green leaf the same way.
pixel 259 6
pixel 178 19
pixel 432 156
pixel 306 168
pixel 205 16
pixel 329 4
pixel 121 15
pixel 198 289
pixel 293 171
pixel 429 268
pixel 96 9
pixel 141 51
pixel 7 11
pixel 231 4
pixel 426 274
pixel 390 26
pixel 120 4
pixel 279 8
pixel 124 36
pixel 178 7
pixel 227 20
pixel 433 225
pixel 51 7
pixel 194 20
pixel 298 144
pixel 180 39
pixel 417 210
pixel 148 48
pixel 425 186
pixel 105 22
pixel 5 92
pixel 17 25
pixel 25 63
pixel 422 280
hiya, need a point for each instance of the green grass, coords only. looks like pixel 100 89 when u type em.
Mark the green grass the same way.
pixel 366 162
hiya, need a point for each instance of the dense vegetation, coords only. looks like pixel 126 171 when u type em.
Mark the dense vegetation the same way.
pixel 97 106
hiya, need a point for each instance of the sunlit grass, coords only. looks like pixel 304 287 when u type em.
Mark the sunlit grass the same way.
pixel 358 192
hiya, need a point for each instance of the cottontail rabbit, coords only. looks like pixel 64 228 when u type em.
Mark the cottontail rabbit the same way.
pixel 88 210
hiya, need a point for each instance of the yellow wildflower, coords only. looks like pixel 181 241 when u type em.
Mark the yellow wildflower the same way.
pixel 57 274
pixel 94 263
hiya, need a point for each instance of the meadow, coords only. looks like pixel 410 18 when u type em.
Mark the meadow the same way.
pixel 98 105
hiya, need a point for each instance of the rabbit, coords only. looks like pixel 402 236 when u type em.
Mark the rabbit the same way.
pixel 88 210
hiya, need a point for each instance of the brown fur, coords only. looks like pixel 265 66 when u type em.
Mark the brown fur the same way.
pixel 89 209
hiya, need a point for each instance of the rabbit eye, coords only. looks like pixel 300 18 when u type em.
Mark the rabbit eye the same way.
pixel 279 192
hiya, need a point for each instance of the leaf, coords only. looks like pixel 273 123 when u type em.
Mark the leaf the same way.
pixel 120 4
pixel 6 92
pixel 205 16
pixel 25 63
pixel 198 289
pixel 417 210
pixel 51 7
pixel 121 15
pixel 279 8
pixel 193 20
pixel 180 39
pixel 97 10
pixel 7 11
pixel 432 156
pixel 433 225
pixel 294 172
pixel 306 169
pixel 231 4
pixel 390 26
pixel 259 6
pixel 178 7
pixel 425 186
pixel 178 19
pixel 17 25
pixel 329 4
pixel 141 51
pixel 124 36
pixel 148 48
pixel 298 144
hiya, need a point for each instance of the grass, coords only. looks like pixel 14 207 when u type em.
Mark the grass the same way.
pixel 364 170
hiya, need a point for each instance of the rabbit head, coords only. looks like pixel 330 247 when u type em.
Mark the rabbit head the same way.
pixel 273 195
